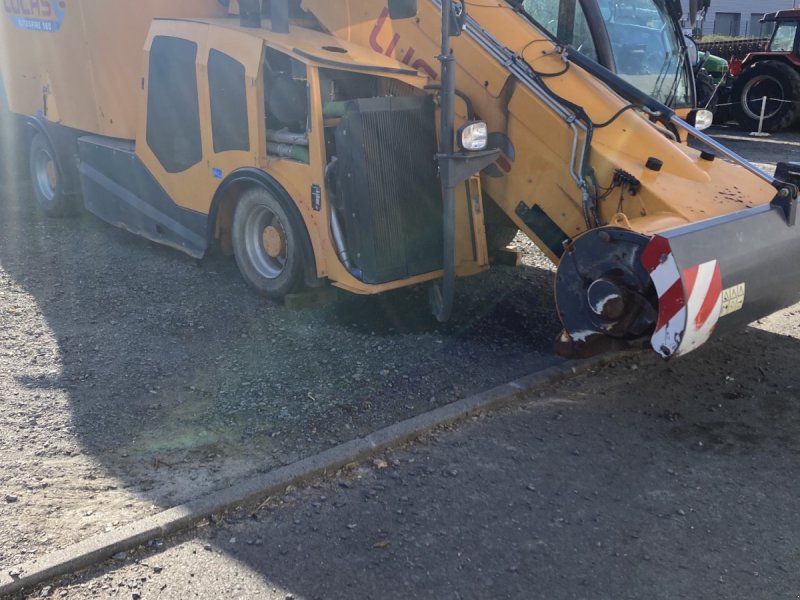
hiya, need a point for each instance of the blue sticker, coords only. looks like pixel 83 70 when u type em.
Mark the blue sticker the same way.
pixel 37 16
pixel 217 173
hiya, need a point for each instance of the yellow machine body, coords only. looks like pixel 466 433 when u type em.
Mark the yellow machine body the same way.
pixel 654 236
pixel 79 62
pixel 87 70
pixel 686 189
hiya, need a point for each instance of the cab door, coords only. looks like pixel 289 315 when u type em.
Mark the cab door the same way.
pixel 199 101
pixel 232 64
pixel 173 114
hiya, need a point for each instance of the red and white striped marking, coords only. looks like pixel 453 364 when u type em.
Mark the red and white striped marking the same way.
pixel 689 301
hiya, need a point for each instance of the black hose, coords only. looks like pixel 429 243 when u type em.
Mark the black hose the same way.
pixel 460 94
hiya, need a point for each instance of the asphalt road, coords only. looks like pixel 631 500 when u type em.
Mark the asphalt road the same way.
pixel 674 481
pixel 601 488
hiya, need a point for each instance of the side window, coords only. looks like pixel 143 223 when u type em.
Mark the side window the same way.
pixel 229 125
pixel 173 115
pixel 783 40
pixel 565 21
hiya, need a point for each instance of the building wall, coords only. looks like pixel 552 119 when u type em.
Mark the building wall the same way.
pixel 726 22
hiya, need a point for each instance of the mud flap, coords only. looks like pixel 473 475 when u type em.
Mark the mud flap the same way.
pixel 718 275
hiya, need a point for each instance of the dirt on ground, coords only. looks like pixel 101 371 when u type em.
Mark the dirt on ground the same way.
pixel 640 479
pixel 134 378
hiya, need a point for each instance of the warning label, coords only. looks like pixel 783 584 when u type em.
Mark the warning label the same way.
pixel 732 299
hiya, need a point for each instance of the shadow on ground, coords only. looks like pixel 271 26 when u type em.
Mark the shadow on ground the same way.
pixel 640 480
pixel 128 363
pixel 122 359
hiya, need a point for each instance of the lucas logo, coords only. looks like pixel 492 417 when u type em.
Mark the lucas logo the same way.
pixel 36 15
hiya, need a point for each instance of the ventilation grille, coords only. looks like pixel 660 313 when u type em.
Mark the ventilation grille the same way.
pixel 388 187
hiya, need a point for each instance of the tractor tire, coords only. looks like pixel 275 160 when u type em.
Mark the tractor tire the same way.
pixel 706 93
pixel 500 230
pixel 46 179
pixel 267 243
pixel 780 83
pixel 499 235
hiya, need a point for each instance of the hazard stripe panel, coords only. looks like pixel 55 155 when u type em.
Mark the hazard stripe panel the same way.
pixel 689 300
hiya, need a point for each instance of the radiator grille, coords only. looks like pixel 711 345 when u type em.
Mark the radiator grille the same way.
pixel 388 187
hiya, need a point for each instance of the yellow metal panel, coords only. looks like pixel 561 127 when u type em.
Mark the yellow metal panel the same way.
pixel 91 53
pixel 193 188
pixel 686 188
pixel 313 47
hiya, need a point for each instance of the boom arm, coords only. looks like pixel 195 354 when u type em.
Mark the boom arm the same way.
pixel 593 172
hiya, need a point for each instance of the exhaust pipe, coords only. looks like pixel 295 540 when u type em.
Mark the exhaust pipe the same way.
pixel 250 13
pixel 279 15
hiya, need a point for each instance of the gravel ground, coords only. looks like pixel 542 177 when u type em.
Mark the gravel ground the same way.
pixel 134 378
pixel 643 479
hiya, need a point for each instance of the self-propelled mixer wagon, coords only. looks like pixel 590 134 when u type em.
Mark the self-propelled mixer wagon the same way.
pixel 342 142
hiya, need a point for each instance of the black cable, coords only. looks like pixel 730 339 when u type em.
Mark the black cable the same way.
pixel 615 116
pixel 557 74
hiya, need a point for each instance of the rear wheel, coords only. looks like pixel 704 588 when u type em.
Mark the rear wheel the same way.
pixel 706 93
pixel 267 244
pixel 46 179
pixel 776 81
pixel 500 230
pixel 499 235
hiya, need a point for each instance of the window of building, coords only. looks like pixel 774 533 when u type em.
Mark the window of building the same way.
pixel 727 23
pixel 173 115
pixel 229 124
pixel 757 29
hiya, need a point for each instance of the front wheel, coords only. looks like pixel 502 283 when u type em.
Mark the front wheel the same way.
pixel 779 84
pixel 48 186
pixel 267 244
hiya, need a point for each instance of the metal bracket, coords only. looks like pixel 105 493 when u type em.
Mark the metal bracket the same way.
pixel 457 168
pixel 787 202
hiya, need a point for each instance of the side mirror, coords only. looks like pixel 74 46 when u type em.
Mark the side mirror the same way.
pixel 402 9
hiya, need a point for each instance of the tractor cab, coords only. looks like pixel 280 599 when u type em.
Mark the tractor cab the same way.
pixel 784 37
pixel 639 40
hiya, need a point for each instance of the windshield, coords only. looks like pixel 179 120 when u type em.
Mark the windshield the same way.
pixel 783 38
pixel 645 43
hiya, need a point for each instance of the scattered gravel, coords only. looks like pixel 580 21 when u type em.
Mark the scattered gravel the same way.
pixel 134 378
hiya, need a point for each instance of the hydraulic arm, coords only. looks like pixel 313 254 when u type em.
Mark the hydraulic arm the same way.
pixel 658 231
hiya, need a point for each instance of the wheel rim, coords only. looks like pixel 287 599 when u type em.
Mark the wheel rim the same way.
pixel 266 242
pixel 44 170
pixel 755 89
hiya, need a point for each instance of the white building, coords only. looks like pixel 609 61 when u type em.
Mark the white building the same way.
pixel 739 17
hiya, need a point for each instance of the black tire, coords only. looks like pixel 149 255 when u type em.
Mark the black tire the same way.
pixel 500 230
pixel 499 235
pixel 267 243
pixel 780 83
pixel 722 115
pixel 706 93
pixel 46 179
pixel 9 163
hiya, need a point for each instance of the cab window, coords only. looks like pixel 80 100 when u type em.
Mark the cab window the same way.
pixel 783 40
pixel 228 90
pixel 173 113
pixel 564 21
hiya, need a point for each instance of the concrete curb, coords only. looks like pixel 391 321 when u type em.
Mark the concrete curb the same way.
pixel 100 547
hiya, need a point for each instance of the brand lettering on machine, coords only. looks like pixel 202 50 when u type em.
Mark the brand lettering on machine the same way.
pixel 408 57
pixel 36 15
